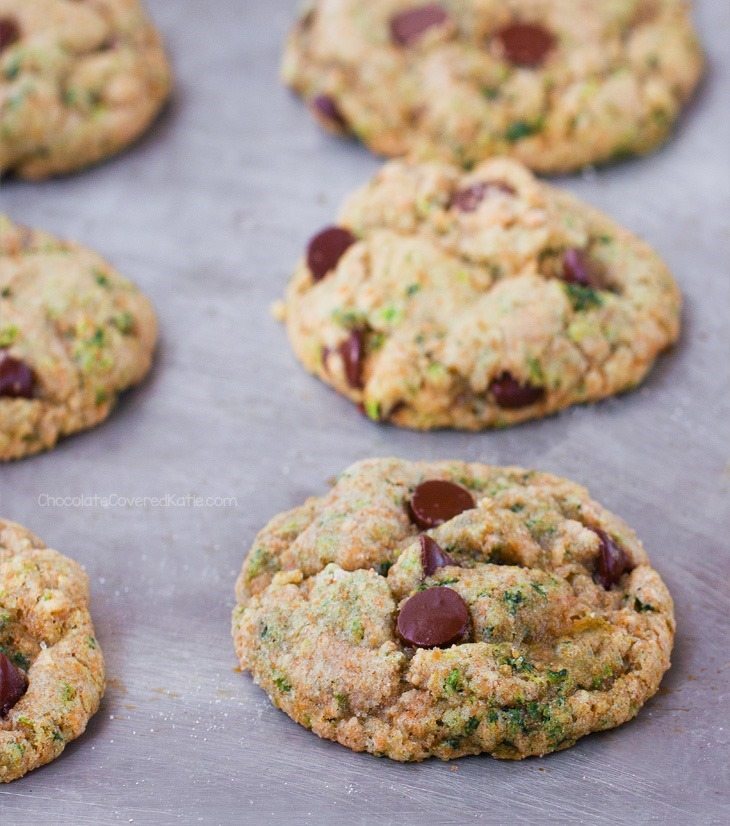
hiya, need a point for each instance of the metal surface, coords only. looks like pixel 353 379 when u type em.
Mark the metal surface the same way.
pixel 208 214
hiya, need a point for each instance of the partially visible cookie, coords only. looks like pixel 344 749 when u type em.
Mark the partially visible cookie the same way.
pixel 480 299
pixel 557 84
pixel 73 335
pixel 51 666
pixel 79 81
pixel 447 609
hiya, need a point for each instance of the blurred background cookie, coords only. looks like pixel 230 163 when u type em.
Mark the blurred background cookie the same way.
pixel 557 84
pixel 73 335
pixel 78 82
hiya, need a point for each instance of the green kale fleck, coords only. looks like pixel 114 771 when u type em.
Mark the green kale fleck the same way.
pixel 519 664
pixel 453 682
pixel 521 129
pixel 101 278
pixel 583 298
pixel 281 682
pixel 8 335
pixel 557 677
pixel 514 599
pixel 642 607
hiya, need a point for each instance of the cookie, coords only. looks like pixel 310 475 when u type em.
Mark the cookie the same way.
pixel 73 335
pixel 557 84
pixel 449 609
pixel 473 300
pixel 78 82
pixel 51 666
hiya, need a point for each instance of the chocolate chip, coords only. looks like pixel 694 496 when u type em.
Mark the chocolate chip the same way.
pixel 526 44
pixel 352 353
pixel 435 618
pixel 13 684
pixel 326 249
pixel 613 562
pixel 509 394
pixel 468 199
pixel 9 32
pixel 437 501
pixel 408 26
pixel 16 378
pixel 326 108
pixel 579 269
pixel 433 556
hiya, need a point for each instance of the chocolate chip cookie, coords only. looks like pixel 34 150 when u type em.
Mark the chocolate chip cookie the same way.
pixel 449 609
pixel 73 335
pixel 557 84
pixel 79 81
pixel 51 666
pixel 473 300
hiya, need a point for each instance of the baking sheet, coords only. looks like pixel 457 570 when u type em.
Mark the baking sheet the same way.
pixel 208 214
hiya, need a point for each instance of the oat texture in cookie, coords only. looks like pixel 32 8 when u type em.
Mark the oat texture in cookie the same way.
pixel 73 335
pixel 480 299
pixel 557 84
pixel 51 666
pixel 449 609
pixel 79 81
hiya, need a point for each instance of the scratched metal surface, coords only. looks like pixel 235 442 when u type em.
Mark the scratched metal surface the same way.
pixel 208 214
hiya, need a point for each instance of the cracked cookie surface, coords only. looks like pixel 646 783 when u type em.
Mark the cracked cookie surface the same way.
pixel 73 335
pixel 47 644
pixel 569 628
pixel 79 81
pixel 557 84
pixel 474 300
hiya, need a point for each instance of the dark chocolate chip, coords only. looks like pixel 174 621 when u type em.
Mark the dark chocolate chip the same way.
pixel 435 618
pixel 408 26
pixel 526 44
pixel 509 394
pixel 326 249
pixel 579 269
pixel 437 501
pixel 352 353
pixel 16 378
pixel 468 199
pixel 613 562
pixel 326 108
pixel 433 556
pixel 13 684
pixel 9 32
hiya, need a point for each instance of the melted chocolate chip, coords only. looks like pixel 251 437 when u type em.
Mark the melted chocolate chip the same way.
pixel 13 684
pixel 9 32
pixel 437 501
pixel 16 378
pixel 407 27
pixel 613 562
pixel 352 353
pixel 433 556
pixel 509 394
pixel 579 269
pixel 468 199
pixel 435 618
pixel 326 108
pixel 326 249
pixel 526 44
